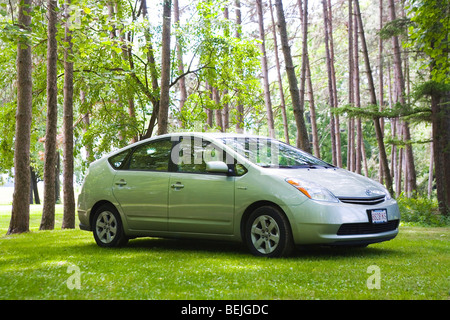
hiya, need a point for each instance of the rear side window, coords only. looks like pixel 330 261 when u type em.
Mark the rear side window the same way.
pixel 118 160
pixel 153 156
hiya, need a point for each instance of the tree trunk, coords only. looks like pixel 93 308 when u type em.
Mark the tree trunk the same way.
pixel 153 75
pixel 182 81
pixel 68 190
pixel 305 55
pixel 431 172
pixel 400 86
pixel 265 74
pixel 440 117
pixel 239 106
pixel 333 131
pixel 380 81
pixel 20 214
pixel 373 101
pixel 336 121
pixel 304 18
pixel 302 134
pixel 165 70
pixel 356 81
pixel 351 88
pixel 48 213
pixel 218 110
pixel 34 187
pixel 280 81
pixel 225 111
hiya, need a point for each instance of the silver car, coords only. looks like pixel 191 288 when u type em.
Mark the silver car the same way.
pixel 233 187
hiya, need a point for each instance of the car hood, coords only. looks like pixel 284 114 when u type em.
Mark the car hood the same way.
pixel 340 182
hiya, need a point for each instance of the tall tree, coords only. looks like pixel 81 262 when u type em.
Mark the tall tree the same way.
pixel 356 81
pixel 335 151
pixel 399 81
pixel 48 213
pixel 165 69
pixel 20 214
pixel 302 134
pixel 429 33
pixel 68 190
pixel 225 111
pixel 265 72
pixel 351 88
pixel 305 55
pixel 182 81
pixel 380 81
pixel 373 101
pixel 336 122
pixel 239 105
pixel 153 75
pixel 280 81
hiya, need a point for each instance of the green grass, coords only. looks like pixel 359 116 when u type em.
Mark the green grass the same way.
pixel 35 265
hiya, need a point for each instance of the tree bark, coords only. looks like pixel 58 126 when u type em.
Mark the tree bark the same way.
pixel 335 155
pixel 225 111
pixel 400 97
pixel 356 80
pixel 218 110
pixel 304 54
pixel 440 118
pixel 351 86
pixel 48 213
pixel 153 75
pixel 182 81
pixel 165 70
pixel 20 213
pixel 265 74
pixel 312 108
pixel 68 190
pixel 336 121
pixel 239 106
pixel 380 81
pixel 373 101
pixel 280 81
pixel 302 134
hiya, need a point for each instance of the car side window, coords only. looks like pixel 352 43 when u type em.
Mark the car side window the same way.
pixel 153 156
pixel 194 153
pixel 117 161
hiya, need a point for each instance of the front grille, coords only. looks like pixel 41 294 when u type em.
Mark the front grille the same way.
pixel 366 228
pixel 363 201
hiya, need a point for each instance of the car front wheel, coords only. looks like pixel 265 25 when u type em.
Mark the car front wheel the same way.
pixel 108 231
pixel 268 233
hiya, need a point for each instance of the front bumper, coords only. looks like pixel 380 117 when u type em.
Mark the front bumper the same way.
pixel 327 223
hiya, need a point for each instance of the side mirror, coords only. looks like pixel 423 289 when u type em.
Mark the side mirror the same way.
pixel 216 166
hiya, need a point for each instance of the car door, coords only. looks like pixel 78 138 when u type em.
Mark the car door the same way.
pixel 141 187
pixel 200 202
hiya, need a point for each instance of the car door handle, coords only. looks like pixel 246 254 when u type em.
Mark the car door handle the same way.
pixel 121 182
pixel 177 185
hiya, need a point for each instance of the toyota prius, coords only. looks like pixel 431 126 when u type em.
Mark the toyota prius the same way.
pixel 243 188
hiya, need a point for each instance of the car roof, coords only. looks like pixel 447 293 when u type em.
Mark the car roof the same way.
pixel 213 135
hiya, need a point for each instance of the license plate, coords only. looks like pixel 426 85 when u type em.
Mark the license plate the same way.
pixel 378 216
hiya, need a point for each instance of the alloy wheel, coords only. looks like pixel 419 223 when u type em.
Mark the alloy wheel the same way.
pixel 106 227
pixel 265 234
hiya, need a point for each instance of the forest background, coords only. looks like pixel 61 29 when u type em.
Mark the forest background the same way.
pixel 361 84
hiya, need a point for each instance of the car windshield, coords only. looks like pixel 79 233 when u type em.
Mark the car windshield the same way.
pixel 270 153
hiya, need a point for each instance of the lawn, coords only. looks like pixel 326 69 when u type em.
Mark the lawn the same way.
pixel 67 264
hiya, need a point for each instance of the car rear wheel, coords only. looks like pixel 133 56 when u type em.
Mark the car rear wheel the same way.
pixel 268 233
pixel 108 230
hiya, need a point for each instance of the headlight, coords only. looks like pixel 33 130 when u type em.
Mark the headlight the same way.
pixel 312 190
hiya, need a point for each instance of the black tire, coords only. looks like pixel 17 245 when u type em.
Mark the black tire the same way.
pixel 108 228
pixel 268 233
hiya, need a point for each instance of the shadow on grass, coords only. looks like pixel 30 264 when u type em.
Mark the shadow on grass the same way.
pixel 192 246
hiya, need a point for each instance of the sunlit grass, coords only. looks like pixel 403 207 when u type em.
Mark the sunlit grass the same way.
pixel 35 265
